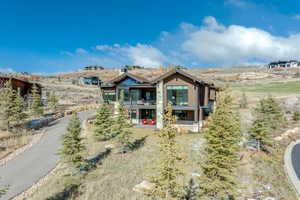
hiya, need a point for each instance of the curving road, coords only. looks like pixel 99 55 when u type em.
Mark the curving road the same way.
pixel 296 159
pixel 37 161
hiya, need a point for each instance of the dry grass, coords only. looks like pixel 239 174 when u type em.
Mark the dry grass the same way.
pixel 116 175
pixel 10 142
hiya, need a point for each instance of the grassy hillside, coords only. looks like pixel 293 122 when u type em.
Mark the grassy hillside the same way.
pixel 290 87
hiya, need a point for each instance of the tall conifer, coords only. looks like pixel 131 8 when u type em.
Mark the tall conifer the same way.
pixel 103 123
pixel 223 134
pixel 36 102
pixel 73 147
pixel 121 126
pixel 7 108
pixel 169 168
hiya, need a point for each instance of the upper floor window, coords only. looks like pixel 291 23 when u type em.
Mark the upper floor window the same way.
pixel 177 95
pixel 109 96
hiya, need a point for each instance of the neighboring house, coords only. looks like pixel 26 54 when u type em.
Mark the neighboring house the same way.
pixel 22 86
pixel 94 68
pixel 284 64
pixel 192 99
pixel 91 80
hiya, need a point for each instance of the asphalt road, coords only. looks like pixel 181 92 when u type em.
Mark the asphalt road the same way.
pixel 296 159
pixel 37 161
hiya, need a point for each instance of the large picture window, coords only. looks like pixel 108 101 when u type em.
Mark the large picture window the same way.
pixel 123 94
pixel 177 95
pixel 109 97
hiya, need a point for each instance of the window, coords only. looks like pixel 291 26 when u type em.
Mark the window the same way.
pixel 123 93
pixel 109 97
pixel 135 95
pixel 132 114
pixel 177 95
pixel 184 115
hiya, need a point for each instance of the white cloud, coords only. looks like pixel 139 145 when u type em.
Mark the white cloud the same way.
pixel 103 47
pixel 81 51
pixel 140 54
pixel 145 55
pixel 215 43
pixel 7 70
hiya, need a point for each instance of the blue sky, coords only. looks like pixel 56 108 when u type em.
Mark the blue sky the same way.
pixel 66 35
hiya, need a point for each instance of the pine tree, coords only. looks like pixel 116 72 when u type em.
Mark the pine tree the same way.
pixel 243 101
pixel 190 191
pixel 296 115
pixel 36 103
pixel 102 123
pixel 221 150
pixel 121 126
pixel 73 147
pixel 18 108
pixel 7 95
pixel 3 191
pixel 168 170
pixel 121 120
pixel 260 131
pixel 268 119
pixel 271 112
pixel 53 102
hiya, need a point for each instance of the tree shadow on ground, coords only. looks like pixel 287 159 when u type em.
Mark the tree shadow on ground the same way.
pixel 93 162
pixel 138 143
pixel 67 193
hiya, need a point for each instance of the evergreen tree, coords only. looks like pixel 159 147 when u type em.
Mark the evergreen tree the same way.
pixel 121 126
pixel 243 101
pixel 190 191
pixel 296 115
pixel 221 150
pixel 36 103
pixel 166 182
pixel 260 131
pixel 73 147
pixel 7 107
pixel 18 108
pixel 271 112
pixel 102 123
pixel 53 102
pixel 268 119
pixel 121 120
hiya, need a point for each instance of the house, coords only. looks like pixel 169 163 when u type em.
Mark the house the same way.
pixel 89 80
pixel 284 64
pixel 192 99
pixel 22 86
pixel 93 68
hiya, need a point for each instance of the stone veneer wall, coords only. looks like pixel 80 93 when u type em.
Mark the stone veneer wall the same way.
pixel 159 104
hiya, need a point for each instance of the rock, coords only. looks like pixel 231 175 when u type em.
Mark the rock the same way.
pixel 109 146
pixel 195 174
pixel 269 198
pixel 144 185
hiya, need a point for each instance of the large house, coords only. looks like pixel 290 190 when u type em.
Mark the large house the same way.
pixel 22 86
pixel 284 64
pixel 192 99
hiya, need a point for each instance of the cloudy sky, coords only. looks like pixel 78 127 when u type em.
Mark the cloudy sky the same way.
pixel 66 35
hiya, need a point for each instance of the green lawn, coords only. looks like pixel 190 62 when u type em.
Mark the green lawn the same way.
pixel 291 87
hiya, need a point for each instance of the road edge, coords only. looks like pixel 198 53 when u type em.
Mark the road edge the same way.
pixel 288 165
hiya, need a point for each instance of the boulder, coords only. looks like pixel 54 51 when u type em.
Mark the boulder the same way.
pixel 143 186
pixel 109 146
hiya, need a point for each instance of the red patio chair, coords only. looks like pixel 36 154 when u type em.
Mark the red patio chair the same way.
pixel 144 122
pixel 153 122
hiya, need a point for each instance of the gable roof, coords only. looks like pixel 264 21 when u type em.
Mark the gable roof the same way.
pixel 127 74
pixel 17 79
pixel 181 72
